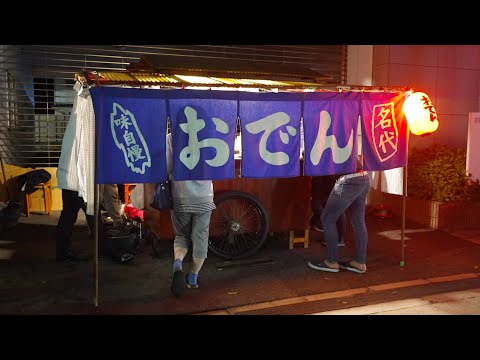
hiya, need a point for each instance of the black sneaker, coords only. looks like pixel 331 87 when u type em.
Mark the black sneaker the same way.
pixel 178 283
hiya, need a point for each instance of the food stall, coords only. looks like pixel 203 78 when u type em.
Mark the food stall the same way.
pixel 249 207
pixel 254 207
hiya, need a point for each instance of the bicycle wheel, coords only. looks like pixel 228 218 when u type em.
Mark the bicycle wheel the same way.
pixel 238 226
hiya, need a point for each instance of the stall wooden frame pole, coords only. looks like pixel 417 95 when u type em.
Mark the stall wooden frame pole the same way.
pixel 96 222
pixel 95 248
pixel 404 201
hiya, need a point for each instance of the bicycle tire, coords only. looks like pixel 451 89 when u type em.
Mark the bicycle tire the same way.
pixel 238 226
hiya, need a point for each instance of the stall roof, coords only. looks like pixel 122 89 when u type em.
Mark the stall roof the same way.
pixel 227 68
pixel 167 72
pixel 153 70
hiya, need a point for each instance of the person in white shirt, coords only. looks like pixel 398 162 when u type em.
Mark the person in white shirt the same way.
pixel 75 173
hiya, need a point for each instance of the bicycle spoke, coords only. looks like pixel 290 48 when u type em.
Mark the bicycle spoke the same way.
pixel 239 225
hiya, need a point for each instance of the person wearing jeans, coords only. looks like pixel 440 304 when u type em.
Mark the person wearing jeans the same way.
pixel 321 188
pixel 349 192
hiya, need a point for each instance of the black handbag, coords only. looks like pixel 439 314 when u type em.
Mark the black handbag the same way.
pixel 162 196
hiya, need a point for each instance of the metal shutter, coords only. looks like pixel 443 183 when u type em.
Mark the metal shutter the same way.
pixel 36 84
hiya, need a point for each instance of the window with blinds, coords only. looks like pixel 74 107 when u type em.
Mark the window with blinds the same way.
pixel 36 82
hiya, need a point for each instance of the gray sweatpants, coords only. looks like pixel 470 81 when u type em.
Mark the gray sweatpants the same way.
pixel 192 228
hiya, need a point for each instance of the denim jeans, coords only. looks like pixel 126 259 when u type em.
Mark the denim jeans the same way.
pixel 348 194
pixel 321 188
pixel 341 223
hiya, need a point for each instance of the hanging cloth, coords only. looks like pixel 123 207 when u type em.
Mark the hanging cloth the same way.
pixel 76 167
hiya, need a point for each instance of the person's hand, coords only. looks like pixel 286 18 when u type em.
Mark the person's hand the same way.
pixel 80 78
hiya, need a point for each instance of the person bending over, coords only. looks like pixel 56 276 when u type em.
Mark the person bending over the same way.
pixel 192 208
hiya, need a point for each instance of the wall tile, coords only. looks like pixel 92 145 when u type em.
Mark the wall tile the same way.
pixel 452 130
pixel 423 55
pixel 359 65
pixel 457 91
pixel 380 75
pixel 459 56
pixel 420 78
pixel 380 54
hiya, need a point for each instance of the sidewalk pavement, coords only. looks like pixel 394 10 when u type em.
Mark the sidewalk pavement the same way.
pixel 32 282
pixel 466 302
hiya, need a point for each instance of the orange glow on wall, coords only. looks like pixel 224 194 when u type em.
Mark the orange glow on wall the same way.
pixel 420 113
